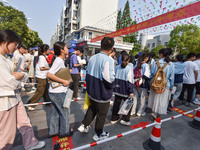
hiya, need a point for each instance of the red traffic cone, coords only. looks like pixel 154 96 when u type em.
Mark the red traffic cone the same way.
pixel 155 138
pixel 196 121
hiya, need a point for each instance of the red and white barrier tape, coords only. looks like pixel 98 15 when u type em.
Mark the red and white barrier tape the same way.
pixel 130 132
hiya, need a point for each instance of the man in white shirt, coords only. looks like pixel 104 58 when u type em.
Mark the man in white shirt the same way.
pixel 189 78
pixel 28 57
pixel 197 100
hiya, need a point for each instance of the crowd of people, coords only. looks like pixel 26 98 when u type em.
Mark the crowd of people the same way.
pixel 149 82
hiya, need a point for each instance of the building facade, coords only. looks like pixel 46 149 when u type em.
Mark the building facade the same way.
pixel 79 22
pixel 152 41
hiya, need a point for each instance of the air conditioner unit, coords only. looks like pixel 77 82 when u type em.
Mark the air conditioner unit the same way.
pixel 74 17
pixel 75 27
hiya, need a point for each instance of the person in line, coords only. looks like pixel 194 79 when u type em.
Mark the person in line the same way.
pixel 99 79
pixel 31 70
pixel 159 102
pixel 42 68
pixel 141 91
pixel 21 59
pixel 197 100
pixel 123 89
pixel 179 67
pixel 59 116
pixel 74 65
pixel 120 57
pixel 189 79
pixel 12 112
pixel 112 55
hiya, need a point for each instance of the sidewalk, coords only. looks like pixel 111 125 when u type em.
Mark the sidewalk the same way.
pixel 176 134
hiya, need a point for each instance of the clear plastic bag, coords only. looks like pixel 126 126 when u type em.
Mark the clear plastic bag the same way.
pixel 126 107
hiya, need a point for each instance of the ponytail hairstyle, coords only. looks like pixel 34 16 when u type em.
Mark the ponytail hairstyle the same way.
pixel 9 36
pixel 41 49
pixel 165 54
pixel 125 59
pixel 141 59
pixel 58 46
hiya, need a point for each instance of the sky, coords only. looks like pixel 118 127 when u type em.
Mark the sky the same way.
pixel 44 15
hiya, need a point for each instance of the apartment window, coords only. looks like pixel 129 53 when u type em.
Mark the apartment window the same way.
pixel 166 43
pixel 148 45
pixel 75 2
pixel 82 34
pixel 74 15
pixel 153 45
pixel 90 35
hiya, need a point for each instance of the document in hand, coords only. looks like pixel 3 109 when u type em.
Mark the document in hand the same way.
pixel 63 73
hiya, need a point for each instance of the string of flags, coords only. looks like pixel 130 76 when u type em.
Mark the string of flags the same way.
pixel 141 10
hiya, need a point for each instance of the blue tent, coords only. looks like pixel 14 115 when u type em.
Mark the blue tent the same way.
pixel 71 50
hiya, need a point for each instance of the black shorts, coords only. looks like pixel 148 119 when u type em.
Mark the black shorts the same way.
pixel 198 88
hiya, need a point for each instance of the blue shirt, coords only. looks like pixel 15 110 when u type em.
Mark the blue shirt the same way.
pixel 73 61
pixel 169 72
pixel 179 67
pixel 100 78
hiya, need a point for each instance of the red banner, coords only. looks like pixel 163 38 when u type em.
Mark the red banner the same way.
pixel 178 14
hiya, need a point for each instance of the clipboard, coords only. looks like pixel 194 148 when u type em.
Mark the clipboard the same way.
pixel 64 74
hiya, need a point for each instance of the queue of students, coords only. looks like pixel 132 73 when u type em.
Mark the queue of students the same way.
pixel 103 79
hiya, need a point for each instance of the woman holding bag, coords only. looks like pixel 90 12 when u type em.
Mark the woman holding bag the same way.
pixel 59 116
pixel 12 112
pixel 123 89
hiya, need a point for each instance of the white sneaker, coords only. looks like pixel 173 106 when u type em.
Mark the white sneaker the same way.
pixel 196 101
pixel 83 129
pixel 114 122
pixel 40 144
pixel 143 114
pixel 126 123
pixel 31 108
pixel 103 136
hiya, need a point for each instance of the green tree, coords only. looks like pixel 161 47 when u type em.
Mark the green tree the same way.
pixel 119 20
pixel 137 48
pixel 156 49
pixel 185 38
pixel 125 21
pixel 15 20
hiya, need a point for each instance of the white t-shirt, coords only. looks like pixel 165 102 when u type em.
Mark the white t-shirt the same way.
pixel 15 56
pixel 189 76
pixel 42 62
pixel 23 62
pixel 36 53
pixel 57 65
pixel 198 64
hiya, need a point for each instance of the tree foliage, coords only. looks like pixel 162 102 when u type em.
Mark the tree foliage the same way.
pixel 156 49
pixel 185 38
pixel 137 48
pixel 124 20
pixel 15 20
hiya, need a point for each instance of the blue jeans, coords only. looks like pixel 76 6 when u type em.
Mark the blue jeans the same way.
pixel 178 90
pixel 59 116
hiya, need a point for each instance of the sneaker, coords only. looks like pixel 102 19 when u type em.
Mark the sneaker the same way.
pixel 83 129
pixel 114 122
pixel 196 102
pixel 40 145
pixel 103 136
pixel 31 108
pixel 126 123
pixel 143 114
pixel 169 110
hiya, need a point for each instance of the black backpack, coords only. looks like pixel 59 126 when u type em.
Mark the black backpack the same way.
pixel 67 61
